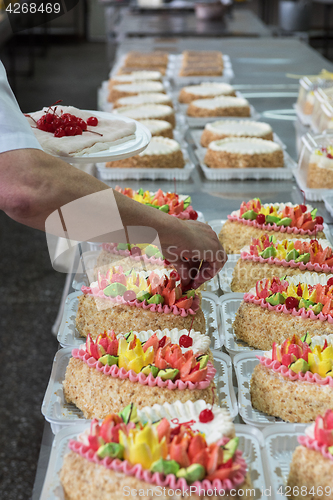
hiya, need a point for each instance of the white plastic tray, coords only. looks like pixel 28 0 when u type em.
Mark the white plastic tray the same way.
pixel 228 306
pixel 61 414
pixel 280 444
pixel 303 118
pixel 175 63
pixel 311 194
pixel 119 151
pixel 225 174
pixel 68 336
pixel 197 133
pixel 225 275
pixel 250 442
pixel 244 364
pixel 153 174
pixel 328 200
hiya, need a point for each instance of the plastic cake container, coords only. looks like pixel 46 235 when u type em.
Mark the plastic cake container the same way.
pixel 61 414
pixel 68 336
pixel 250 442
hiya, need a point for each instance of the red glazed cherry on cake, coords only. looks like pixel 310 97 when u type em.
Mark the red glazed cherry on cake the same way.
pixel 291 302
pixel 136 251
pixel 261 219
pixel 185 341
pixel 319 220
pixel 129 295
pixel 330 282
pixel 92 121
pixel 206 416
pixel 303 208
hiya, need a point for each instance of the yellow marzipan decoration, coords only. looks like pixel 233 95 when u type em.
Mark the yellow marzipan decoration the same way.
pixel 143 447
pixel 321 362
pixel 134 359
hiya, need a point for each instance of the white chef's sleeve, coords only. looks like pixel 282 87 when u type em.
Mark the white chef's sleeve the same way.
pixel 15 132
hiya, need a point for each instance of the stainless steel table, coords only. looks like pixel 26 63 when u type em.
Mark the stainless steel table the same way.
pixel 242 22
pixel 261 67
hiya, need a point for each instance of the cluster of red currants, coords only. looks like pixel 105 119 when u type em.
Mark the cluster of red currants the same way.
pixel 65 125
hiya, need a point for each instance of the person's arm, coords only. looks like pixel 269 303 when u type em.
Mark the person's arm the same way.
pixel 34 185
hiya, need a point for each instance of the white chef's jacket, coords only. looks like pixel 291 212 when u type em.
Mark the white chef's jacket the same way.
pixel 15 132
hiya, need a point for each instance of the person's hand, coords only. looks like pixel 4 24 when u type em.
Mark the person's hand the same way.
pixel 193 248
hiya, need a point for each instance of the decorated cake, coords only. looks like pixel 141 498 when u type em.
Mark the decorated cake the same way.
pixel 144 59
pixel 130 89
pixel 311 468
pixel 222 129
pixel 138 301
pixel 135 76
pixel 191 449
pixel 158 128
pixel 320 169
pixel 247 152
pixel 68 131
pixel 144 368
pixel 254 219
pixel 276 309
pixel 148 112
pixel 201 63
pixel 266 257
pixel 294 381
pixel 205 90
pixel 219 106
pixel 161 152
pixel 173 204
pixel 144 98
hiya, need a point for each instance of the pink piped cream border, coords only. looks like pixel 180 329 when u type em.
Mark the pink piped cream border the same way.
pixel 274 227
pixel 275 261
pixel 312 444
pixel 185 215
pixel 281 308
pixel 141 378
pixel 112 248
pixel 159 308
pixel 312 378
pixel 171 481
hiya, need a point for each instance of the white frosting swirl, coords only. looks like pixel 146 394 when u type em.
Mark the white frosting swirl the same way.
pixel 246 145
pixel 155 126
pixel 209 89
pixel 142 86
pixel 161 146
pixel 221 102
pixel 144 111
pixel 144 98
pixel 138 75
pixel 239 128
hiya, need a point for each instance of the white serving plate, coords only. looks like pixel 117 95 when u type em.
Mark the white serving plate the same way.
pixel 218 174
pixel 153 174
pixel 228 306
pixel 250 442
pixel 61 414
pixel 280 444
pixel 68 336
pixel 197 133
pixel 175 63
pixel 311 194
pixel 119 151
